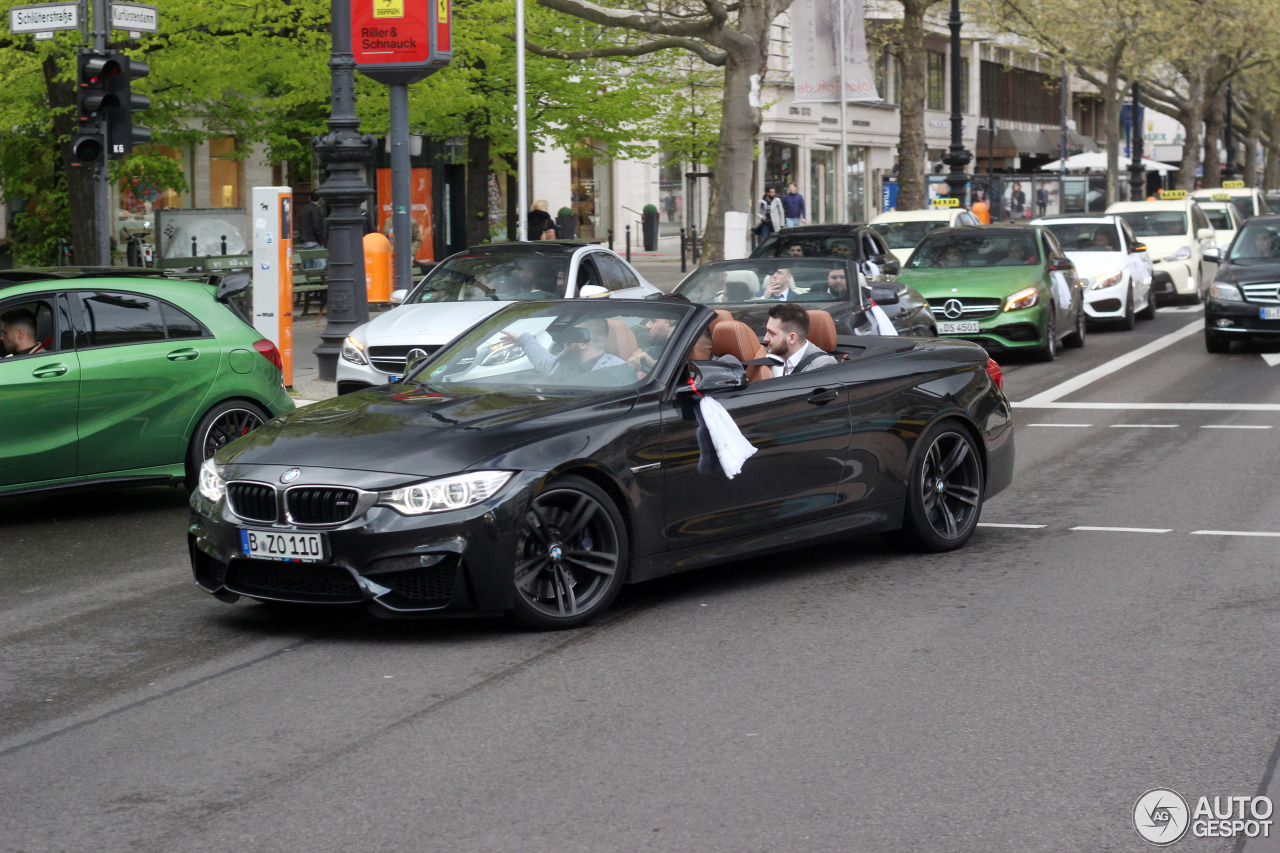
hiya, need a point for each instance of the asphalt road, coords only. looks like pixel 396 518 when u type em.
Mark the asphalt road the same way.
pixel 1018 695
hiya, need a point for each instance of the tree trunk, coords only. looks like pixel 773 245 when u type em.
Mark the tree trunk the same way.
pixel 1251 137
pixel 913 151
pixel 80 179
pixel 478 166
pixel 1190 116
pixel 739 125
pixel 1213 124
pixel 1111 118
pixel 1271 178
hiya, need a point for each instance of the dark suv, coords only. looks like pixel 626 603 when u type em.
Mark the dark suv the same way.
pixel 860 243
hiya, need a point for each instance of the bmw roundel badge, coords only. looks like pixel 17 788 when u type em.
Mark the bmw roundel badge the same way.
pixel 291 475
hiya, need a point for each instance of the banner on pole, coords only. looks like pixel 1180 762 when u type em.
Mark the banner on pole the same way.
pixel 815 52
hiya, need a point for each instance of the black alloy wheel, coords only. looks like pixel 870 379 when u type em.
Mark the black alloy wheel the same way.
pixel 1048 351
pixel 1129 320
pixel 220 426
pixel 571 556
pixel 1075 339
pixel 944 498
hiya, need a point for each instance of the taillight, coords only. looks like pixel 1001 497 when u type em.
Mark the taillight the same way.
pixel 996 374
pixel 268 351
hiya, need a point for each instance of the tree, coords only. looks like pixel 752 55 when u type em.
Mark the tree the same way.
pixel 913 151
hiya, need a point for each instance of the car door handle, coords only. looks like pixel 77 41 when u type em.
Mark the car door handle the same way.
pixel 49 370
pixel 822 396
pixel 184 355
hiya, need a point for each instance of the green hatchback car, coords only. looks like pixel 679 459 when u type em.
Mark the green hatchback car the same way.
pixel 1008 288
pixel 110 379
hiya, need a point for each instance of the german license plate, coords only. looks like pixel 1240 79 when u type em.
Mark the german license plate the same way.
pixel 963 327
pixel 282 545
pixel 1270 313
pixel 393 378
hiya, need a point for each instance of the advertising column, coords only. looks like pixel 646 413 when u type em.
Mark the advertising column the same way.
pixel 273 270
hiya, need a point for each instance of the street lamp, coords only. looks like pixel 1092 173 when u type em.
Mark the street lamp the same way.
pixel 957 158
pixel 344 151
pixel 1137 172
pixel 1229 140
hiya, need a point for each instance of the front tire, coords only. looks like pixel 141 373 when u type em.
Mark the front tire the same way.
pixel 221 425
pixel 1075 339
pixel 944 491
pixel 570 558
pixel 1048 351
pixel 1128 321
pixel 1149 313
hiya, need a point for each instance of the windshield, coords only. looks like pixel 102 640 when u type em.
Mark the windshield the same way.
pixel 949 250
pixel 1085 236
pixel 1219 219
pixel 496 277
pixel 737 282
pixel 1256 242
pixel 905 235
pixel 571 347
pixel 808 246
pixel 1156 223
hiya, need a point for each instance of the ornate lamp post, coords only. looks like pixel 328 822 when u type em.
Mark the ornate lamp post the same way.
pixel 344 151
pixel 957 158
pixel 1137 172
pixel 1229 140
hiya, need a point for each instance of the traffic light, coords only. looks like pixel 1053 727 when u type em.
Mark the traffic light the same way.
pixel 122 102
pixel 94 72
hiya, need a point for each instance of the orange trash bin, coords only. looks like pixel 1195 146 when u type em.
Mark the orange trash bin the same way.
pixel 377 267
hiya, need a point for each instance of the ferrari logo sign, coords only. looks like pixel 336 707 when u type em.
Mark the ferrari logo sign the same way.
pixel 388 8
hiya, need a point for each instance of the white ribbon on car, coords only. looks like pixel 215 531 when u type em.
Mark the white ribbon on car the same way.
pixel 1061 291
pixel 732 448
pixel 880 320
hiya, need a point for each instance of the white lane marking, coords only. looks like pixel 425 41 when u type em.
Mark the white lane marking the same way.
pixel 1271 358
pixel 1011 526
pixel 1235 426
pixel 1158 407
pixel 1144 426
pixel 1182 309
pixel 1127 529
pixel 1078 426
pixel 1233 533
pixel 1107 368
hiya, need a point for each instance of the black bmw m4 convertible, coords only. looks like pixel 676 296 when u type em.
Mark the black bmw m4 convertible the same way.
pixel 558 450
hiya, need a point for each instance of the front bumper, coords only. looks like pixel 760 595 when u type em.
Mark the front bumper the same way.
pixel 1239 319
pixel 1181 274
pixel 356 377
pixel 1108 303
pixel 1009 330
pixel 396 565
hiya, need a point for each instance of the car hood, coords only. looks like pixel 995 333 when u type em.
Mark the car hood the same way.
pixel 430 323
pixel 1160 248
pixel 1091 264
pixel 1250 273
pixel 417 430
pixel 971 281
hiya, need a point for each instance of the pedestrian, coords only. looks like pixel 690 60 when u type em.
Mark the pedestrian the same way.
pixel 311 224
pixel 980 209
pixel 1042 199
pixel 793 207
pixel 1017 201
pixel 769 210
pixel 541 225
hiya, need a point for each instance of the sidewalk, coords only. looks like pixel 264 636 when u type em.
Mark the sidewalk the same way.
pixel 661 268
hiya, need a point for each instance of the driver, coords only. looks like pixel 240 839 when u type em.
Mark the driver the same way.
pixel 583 349
pixel 526 278
pixel 838 283
pixel 1258 245
pixel 18 332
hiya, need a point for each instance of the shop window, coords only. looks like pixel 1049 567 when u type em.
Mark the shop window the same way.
pixel 224 173
pixel 935 80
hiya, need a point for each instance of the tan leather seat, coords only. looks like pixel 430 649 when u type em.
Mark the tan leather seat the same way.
pixel 721 316
pixel 621 341
pixel 730 337
pixel 822 330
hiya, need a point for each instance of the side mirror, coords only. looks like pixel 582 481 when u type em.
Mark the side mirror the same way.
pixel 1061 265
pixel 1137 247
pixel 397 296
pixel 889 264
pixel 1204 233
pixel 589 291
pixel 883 296
pixel 713 377
pixel 1213 256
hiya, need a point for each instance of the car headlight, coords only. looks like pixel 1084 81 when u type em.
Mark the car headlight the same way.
pixel 1025 298
pixel 353 351
pixel 1183 254
pixel 212 486
pixel 1106 279
pixel 457 492
pixel 1224 292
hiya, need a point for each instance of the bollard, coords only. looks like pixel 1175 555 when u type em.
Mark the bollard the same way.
pixel 610 239
pixel 682 265
pixel 628 242
pixel 194 251
pixel 224 244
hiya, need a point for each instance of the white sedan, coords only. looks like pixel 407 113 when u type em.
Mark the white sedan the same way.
pixel 1113 264
pixel 469 286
